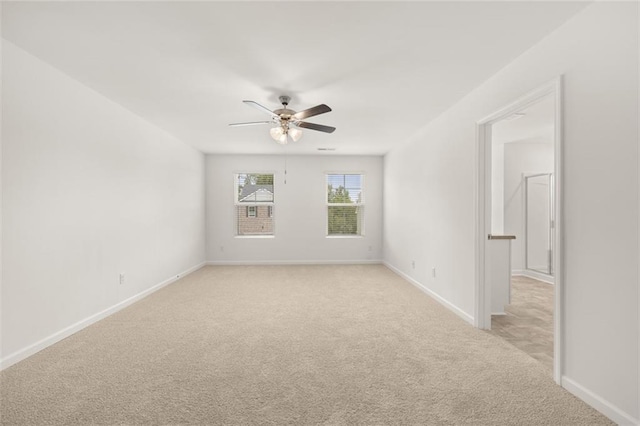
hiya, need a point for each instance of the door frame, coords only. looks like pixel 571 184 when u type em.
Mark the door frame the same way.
pixel 482 314
pixel 525 209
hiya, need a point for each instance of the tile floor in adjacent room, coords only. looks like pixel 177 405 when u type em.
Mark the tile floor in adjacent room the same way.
pixel 528 323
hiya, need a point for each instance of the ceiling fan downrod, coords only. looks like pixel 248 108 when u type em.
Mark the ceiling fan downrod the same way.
pixel 284 100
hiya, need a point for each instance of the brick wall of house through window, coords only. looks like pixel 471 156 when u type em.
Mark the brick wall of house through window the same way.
pixel 254 202
pixel 257 223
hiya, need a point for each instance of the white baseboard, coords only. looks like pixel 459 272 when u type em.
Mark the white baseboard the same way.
pixel 599 403
pixel 291 262
pixel 24 353
pixel 444 302
pixel 535 275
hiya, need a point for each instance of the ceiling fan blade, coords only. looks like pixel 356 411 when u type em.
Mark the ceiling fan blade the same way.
pixel 316 110
pixel 313 126
pixel 260 107
pixel 250 123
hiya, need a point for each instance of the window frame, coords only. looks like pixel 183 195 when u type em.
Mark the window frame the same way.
pixel 360 205
pixel 256 204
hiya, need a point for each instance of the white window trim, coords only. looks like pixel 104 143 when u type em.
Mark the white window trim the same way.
pixel 237 203
pixel 361 204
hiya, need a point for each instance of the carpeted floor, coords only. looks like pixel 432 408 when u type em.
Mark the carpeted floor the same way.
pixel 286 345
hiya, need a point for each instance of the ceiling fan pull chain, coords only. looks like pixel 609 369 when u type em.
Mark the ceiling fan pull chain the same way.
pixel 285 164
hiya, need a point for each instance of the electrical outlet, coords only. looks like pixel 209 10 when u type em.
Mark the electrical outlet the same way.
pixel 433 272
pixel 122 277
pixel 413 264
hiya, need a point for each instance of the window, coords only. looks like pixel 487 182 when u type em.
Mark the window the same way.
pixel 345 204
pixel 254 201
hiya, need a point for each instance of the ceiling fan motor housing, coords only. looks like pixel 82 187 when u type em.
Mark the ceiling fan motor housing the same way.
pixel 284 113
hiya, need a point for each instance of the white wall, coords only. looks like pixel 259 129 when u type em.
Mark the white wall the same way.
pixel 521 158
pixel 89 190
pixel 597 52
pixel 299 213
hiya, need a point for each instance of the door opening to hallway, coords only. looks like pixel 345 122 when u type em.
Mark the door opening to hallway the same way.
pixel 519 274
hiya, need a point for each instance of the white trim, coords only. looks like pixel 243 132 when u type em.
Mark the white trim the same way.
pixel 558 255
pixel 524 101
pixel 538 276
pixel 525 222
pixel 291 262
pixel 637 241
pixel 483 159
pixel 532 274
pixel 482 309
pixel 361 218
pixel 1 233
pixel 32 349
pixel 602 405
pixel 444 302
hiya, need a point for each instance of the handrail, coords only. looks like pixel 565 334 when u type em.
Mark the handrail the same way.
pixel 501 237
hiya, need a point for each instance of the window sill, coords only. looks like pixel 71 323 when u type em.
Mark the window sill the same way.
pixel 344 236
pixel 254 236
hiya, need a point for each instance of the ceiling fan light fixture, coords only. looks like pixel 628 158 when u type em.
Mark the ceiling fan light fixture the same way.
pixel 276 133
pixel 283 139
pixel 295 134
pixel 279 135
pixel 284 118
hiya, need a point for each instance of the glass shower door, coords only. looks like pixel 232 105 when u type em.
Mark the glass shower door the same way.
pixel 539 223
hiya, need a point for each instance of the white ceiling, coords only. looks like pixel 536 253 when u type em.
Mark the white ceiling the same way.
pixel 386 69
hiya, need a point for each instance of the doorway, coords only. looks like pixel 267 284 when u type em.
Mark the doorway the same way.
pixel 519 203
pixel 538 226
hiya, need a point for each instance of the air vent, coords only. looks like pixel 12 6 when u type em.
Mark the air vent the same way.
pixel 515 116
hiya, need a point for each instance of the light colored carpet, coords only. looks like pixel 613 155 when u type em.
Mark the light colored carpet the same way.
pixel 286 345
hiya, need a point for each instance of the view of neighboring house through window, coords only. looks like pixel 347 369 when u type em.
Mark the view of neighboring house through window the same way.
pixel 254 201
pixel 345 204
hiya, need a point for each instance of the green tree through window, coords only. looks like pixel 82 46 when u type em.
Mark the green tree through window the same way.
pixel 253 179
pixel 344 208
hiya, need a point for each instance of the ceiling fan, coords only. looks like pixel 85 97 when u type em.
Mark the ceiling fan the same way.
pixel 288 122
